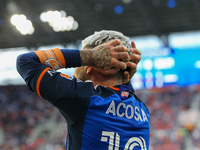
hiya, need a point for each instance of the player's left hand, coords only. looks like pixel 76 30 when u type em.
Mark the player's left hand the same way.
pixel 131 64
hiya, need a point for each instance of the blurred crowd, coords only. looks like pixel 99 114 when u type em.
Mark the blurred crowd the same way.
pixel 20 112
pixel 174 119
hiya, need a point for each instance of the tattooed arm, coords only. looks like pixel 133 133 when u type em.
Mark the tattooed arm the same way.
pixel 107 58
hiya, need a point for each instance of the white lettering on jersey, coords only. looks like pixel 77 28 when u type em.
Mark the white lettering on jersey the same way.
pixel 111 109
pixel 118 107
pixel 132 111
pixel 137 114
pixel 144 116
pixel 121 110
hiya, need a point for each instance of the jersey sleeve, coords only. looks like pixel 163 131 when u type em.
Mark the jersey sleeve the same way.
pixel 38 69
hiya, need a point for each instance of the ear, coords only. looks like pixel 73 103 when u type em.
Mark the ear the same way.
pixel 89 70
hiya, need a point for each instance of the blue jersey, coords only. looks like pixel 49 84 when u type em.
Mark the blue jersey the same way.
pixel 98 117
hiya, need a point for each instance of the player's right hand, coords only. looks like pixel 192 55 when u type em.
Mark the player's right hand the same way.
pixel 109 58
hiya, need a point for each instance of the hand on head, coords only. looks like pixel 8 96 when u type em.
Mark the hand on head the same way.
pixel 115 59
pixel 135 58
pixel 109 57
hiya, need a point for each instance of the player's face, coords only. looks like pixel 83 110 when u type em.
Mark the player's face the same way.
pixel 80 73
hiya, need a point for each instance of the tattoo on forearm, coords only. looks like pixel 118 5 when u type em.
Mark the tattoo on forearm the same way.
pixel 85 57
pixel 101 57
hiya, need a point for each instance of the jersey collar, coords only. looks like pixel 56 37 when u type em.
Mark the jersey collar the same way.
pixel 123 90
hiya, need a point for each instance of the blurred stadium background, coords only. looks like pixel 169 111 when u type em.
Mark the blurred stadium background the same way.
pixel 166 31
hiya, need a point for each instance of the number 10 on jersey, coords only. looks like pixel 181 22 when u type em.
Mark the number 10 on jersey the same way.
pixel 114 141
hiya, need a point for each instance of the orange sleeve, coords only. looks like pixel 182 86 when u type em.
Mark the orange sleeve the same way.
pixel 52 58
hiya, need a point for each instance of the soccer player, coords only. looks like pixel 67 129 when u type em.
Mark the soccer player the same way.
pixel 101 112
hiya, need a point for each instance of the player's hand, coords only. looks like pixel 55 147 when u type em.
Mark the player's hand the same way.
pixel 108 58
pixel 131 64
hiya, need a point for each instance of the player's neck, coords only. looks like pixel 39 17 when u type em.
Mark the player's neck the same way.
pixel 107 80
